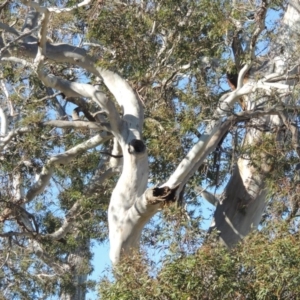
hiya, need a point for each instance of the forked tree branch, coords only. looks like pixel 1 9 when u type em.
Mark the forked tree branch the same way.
pixel 75 89
pixel 62 159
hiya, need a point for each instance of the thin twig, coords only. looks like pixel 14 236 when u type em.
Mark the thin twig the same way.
pixel 20 37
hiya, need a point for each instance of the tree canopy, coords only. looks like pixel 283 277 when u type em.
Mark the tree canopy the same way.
pixel 119 118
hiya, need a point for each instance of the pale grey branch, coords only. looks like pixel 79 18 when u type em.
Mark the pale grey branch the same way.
pixel 45 98
pixel 66 226
pixel 54 9
pixel 4 124
pixel 5 140
pixel 42 37
pixel 62 159
pixel 24 62
pixel 75 89
pixel 9 29
pixel 77 124
pixel 20 37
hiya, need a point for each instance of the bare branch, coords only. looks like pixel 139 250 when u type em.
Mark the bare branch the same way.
pixel 75 89
pixel 20 37
pixel 215 127
pixel 77 124
pixel 209 141
pixel 84 108
pixel 127 99
pixel 68 222
pixel 55 123
pixel 62 159
pixel 4 125
pixel 9 29
pixel 24 62
pixel 4 141
pixel 45 98
pixel 42 38
pixel 54 9
pixel 125 96
pixel 17 233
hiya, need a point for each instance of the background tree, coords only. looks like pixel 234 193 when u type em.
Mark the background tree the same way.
pixel 123 106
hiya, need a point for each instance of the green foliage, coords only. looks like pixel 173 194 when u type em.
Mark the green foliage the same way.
pixel 250 271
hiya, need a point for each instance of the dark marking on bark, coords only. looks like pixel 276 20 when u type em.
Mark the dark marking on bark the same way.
pixel 111 155
pixel 136 146
pixel 241 206
pixel 158 195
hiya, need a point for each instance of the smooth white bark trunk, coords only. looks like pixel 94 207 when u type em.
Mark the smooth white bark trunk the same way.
pixel 241 206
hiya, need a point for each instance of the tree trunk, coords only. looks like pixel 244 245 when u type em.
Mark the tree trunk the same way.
pixel 78 266
pixel 242 204
pixel 240 208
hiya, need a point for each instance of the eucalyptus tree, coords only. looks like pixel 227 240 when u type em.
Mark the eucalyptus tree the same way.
pixel 123 107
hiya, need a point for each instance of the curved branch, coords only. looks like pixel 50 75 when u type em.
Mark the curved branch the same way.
pixel 17 60
pixel 78 56
pixel 54 9
pixel 55 123
pixel 208 142
pixel 72 213
pixel 75 89
pixel 214 132
pixel 20 37
pixel 67 224
pixel 17 233
pixel 77 124
pixel 5 140
pixel 62 159
pixel 127 99
pixel 124 94
pixel 83 106
pixel 9 29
